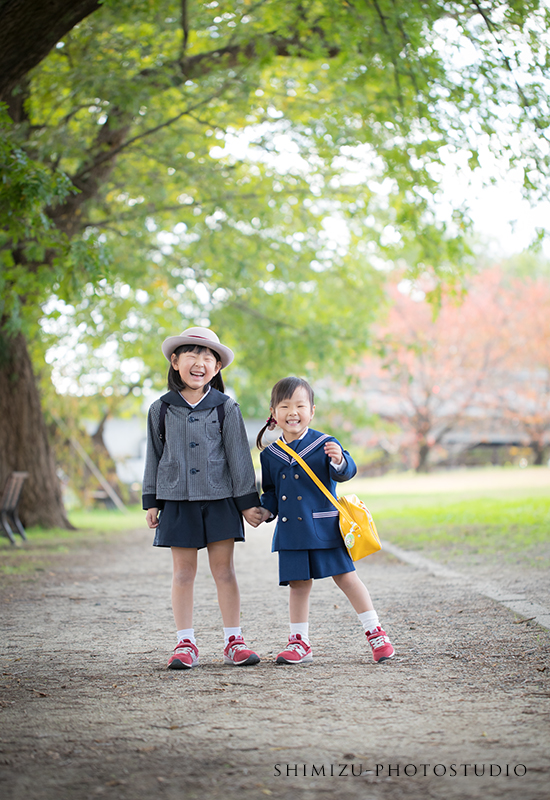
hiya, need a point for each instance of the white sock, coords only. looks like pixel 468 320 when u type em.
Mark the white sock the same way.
pixel 187 633
pixel 302 628
pixel 227 632
pixel 369 621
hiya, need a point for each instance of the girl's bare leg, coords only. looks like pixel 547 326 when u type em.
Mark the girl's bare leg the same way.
pixel 220 557
pixel 184 561
pixel 298 601
pixel 355 590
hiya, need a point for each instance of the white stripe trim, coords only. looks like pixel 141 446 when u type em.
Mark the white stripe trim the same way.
pixel 310 447
pixel 278 451
pixel 319 514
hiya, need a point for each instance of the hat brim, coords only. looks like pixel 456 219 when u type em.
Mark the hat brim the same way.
pixel 173 342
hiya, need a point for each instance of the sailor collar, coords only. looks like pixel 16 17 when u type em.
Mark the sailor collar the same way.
pixel 311 441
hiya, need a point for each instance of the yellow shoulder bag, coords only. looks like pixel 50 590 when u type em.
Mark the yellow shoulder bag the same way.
pixel 356 523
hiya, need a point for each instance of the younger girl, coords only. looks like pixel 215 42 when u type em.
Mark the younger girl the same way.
pixel 199 475
pixel 307 535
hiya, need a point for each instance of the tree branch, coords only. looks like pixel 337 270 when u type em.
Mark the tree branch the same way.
pixel 283 323
pixel 123 145
pixel 184 27
pixel 524 101
pixel 29 30
pixel 393 56
pixel 232 55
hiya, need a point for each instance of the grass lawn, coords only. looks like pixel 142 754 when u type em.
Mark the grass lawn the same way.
pixel 476 516
pixel 44 548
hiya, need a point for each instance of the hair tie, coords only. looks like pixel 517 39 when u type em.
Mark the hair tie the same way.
pixel 271 423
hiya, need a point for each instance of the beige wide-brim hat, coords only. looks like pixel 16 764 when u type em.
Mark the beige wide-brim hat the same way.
pixel 201 337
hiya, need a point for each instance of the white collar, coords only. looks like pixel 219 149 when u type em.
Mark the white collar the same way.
pixel 194 405
pixel 304 434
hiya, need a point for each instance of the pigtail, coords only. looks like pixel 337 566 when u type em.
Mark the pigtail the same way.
pixel 269 426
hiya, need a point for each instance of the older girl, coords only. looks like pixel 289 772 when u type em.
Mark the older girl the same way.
pixel 199 476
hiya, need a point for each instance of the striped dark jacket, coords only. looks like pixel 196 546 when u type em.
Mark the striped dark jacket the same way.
pixel 198 461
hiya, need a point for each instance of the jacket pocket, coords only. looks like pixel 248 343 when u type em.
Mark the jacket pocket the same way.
pixel 168 475
pixel 327 528
pixel 218 474
pixel 212 425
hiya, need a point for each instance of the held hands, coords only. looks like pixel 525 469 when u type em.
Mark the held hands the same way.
pixel 334 452
pixel 255 516
pixel 152 517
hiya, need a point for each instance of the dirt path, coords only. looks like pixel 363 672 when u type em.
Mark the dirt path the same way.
pixel 88 709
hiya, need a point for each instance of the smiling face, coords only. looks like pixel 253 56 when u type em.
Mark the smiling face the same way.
pixel 294 414
pixel 196 367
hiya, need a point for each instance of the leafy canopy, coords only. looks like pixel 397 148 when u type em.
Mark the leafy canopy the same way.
pixel 350 111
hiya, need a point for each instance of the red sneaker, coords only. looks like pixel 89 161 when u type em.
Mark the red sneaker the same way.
pixel 297 652
pixel 382 648
pixel 238 654
pixel 186 655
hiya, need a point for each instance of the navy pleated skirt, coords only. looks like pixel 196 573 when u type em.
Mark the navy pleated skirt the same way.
pixel 301 565
pixel 197 523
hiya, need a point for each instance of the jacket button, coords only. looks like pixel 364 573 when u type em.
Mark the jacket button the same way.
pixel 300 519
pixel 193 444
pixel 194 471
pixel 283 476
pixel 283 519
pixel 192 419
pixel 299 497
pixel 296 476
pixel 283 497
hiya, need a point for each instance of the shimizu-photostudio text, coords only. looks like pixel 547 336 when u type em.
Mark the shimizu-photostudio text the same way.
pixel 353 770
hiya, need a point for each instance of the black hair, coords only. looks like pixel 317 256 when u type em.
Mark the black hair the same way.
pixel 283 390
pixel 175 382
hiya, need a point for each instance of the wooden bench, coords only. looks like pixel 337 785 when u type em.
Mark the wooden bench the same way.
pixel 10 502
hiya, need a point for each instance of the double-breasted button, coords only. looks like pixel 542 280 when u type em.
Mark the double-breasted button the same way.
pixel 299 497
pixel 300 518
pixel 194 471
pixel 283 519
pixel 193 444
pixel 283 497
pixel 283 475
pixel 296 476
pixel 193 419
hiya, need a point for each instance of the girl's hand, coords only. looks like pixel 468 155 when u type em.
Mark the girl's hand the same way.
pixel 334 452
pixel 152 517
pixel 266 515
pixel 253 516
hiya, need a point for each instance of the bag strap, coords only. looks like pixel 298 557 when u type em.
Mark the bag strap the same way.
pixel 314 478
pixel 162 418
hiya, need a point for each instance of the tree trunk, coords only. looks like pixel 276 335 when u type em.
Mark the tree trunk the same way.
pixel 538 449
pixel 104 459
pixel 24 442
pixel 423 453
pixel 29 30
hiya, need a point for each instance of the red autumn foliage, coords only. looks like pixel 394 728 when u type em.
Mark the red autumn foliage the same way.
pixel 481 361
